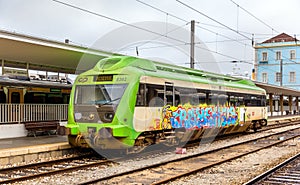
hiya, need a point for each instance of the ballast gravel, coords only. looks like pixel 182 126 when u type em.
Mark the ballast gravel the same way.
pixel 237 171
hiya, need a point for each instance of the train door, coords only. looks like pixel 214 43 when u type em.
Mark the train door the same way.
pixel 15 98
pixel 169 94
pixel 15 95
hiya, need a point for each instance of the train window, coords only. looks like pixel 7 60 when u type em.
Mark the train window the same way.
pixel 54 98
pixel 263 101
pixel 66 98
pixel 202 97
pixel 2 97
pixel 155 95
pixel 35 97
pixel 141 95
pixel 255 100
pixel 108 94
pixel 236 99
pixel 222 99
pixel 241 101
pixel 169 92
pixel 187 95
pixel 217 99
pixel 213 99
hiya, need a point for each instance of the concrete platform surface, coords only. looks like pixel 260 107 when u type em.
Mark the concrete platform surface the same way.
pixel 31 141
pixel 26 149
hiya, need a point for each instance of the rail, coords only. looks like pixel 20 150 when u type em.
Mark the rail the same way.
pixel 19 113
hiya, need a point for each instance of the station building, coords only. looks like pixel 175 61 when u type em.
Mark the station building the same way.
pixel 276 56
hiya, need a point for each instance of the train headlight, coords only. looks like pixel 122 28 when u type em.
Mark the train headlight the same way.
pixel 109 116
pixel 92 116
pixel 78 115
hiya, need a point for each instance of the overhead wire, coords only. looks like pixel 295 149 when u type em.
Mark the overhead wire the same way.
pixel 248 12
pixel 159 34
pixel 235 40
pixel 116 20
pixel 167 13
pixel 168 32
pixel 225 26
pixel 162 11
pixel 203 14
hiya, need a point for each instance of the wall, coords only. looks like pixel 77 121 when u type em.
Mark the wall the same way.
pixel 12 131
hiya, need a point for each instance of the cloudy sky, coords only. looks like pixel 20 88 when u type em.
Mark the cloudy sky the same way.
pixel 158 29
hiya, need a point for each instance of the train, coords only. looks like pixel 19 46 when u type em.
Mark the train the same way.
pixel 20 89
pixel 131 103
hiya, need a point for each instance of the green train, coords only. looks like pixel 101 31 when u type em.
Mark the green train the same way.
pixel 130 103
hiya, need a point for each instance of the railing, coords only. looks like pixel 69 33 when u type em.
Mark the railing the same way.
pixel 17 113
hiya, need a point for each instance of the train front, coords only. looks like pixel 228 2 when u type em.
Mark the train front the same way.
pixel 101 110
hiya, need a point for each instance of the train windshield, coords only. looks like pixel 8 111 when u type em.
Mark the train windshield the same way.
pixel 108 94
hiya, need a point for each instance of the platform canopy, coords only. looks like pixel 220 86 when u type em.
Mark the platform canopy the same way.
pixel 22 51
pixel 278 90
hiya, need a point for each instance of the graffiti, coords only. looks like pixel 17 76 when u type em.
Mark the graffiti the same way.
pixel 192 117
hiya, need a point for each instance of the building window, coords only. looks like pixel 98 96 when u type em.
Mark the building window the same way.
pixel 264 56
pixel 278 55
pixel 278 77
pixel 264 77
pixel 292 54
pixel 292 76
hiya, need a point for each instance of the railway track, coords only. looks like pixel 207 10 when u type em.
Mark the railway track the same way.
pixel 42 169
pixel 288 172
pixel 231 136
pixel 170 170
pixel 288 122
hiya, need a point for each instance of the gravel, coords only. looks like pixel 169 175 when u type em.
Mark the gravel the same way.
pixel 235 172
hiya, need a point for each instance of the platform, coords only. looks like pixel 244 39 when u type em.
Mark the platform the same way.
pixel 26 149
pixel 282 119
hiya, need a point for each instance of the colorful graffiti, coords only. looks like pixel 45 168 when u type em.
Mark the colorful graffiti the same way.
pixel 192 117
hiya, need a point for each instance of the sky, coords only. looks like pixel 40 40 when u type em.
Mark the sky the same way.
pixel 159 30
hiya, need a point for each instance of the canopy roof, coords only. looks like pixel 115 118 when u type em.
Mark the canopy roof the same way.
pixel 17 50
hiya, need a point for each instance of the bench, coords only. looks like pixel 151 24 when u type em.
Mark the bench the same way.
pixel 34 127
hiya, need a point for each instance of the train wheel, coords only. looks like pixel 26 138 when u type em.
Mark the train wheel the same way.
pixel 72 140
pixel 255 126
pixel 141 143
pixel 263 122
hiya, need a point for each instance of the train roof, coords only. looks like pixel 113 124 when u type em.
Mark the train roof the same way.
pixel 164 70
pixel 24 82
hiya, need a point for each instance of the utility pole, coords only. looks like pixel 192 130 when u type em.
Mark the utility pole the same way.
pixel 192 54
pixel 281 76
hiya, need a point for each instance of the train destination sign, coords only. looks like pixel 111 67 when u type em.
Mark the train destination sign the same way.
pixel 101 78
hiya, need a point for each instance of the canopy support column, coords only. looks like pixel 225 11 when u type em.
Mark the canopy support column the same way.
pixel 281 104
pixel 271 103
pixel 290 104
